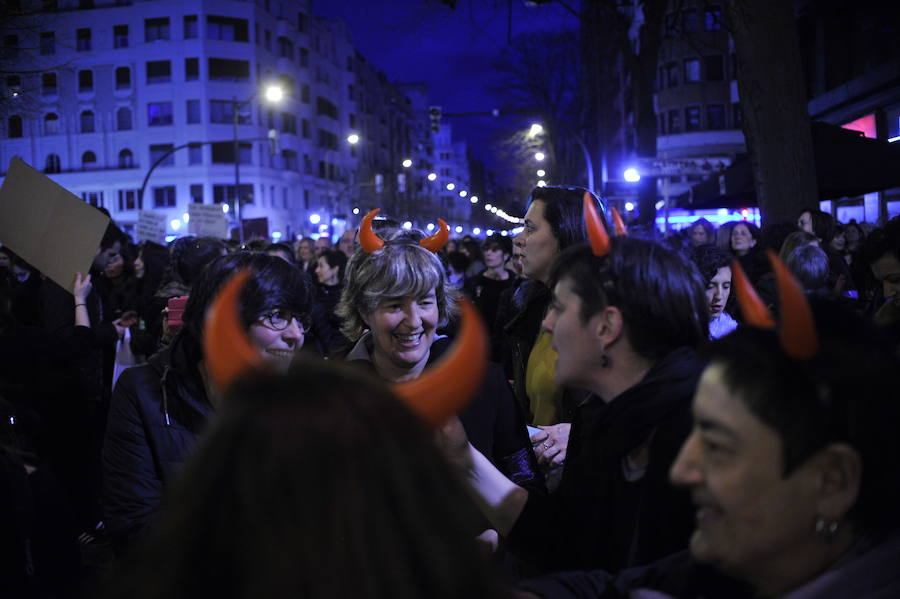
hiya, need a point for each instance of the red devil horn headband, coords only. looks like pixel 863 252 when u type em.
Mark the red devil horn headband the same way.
pixel 597 235
pixel 621 229
pixel 797 335
pixel 371 242
pixel 439 393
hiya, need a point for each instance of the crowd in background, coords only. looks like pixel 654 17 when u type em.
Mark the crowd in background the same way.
pixel 105 399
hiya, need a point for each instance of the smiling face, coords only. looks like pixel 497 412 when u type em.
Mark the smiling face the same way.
pixel 717 291
pixel 741 240
pixel 277 346
pixel 574 340
pixel 750 518
pixel 539 246
pixel 403 330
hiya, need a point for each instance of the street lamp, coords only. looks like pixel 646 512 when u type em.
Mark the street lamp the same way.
pixel 407 163
pixel 541 172
pixel 272 94
pixel 541 183
pixel 432 176
pixel 632 175
pixel 539 156
pixel 463 193
pixel 451 186
pixel 536 129
pixel 353 139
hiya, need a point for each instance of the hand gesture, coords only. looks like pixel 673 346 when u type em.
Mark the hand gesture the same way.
pixel 551 443
pixel 81 288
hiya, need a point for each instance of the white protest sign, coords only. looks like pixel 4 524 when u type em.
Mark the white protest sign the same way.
pixel 207 220
pixel 47 225
pixel 151 226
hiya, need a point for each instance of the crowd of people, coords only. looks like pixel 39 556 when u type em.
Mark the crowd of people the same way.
pixel 708 414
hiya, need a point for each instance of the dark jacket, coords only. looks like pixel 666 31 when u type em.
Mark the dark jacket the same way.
pixel 868 571
pixel 520 335
pixel 598 518
pixel 158 410
pixel 493 421
pixel 328 324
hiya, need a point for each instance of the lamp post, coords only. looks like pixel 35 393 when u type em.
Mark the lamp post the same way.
pixel 273 94
pixel 537 129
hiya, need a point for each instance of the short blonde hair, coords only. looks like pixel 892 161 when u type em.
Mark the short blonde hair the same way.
pixel 401 268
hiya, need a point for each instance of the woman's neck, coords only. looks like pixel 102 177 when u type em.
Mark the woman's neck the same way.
pixel 390 371
pixel 497 273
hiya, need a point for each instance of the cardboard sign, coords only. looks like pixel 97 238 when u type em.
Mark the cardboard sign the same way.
pixel 207 220
pixel 151 226
pixel 48 226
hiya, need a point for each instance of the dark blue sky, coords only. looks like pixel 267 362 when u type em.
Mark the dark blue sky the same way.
pixel 449 49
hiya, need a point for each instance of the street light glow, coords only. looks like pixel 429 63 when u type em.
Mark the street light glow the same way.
pixel 430 226
pixel 314 218
pixel 629 206
pixel 542 183
pixel 476 231
pixel 356 211
pixel 407 225
pixel 274 93
pixel 450 186
pixel 474 199
pixel 186 217
pixel 489 232
pixel 632 175
pixel 541 172
pixel 494 209
pixel 276 235
pixel 536 129
pixel 353 139
pixel 458 229
pixel 175 224
pixel 432 176
pixel 539 156
pixel 487 206
pixel 463 193
pixel 225 208
pixel 407 163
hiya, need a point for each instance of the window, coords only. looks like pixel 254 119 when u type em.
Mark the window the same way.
pixel 164 197
pixel 712 18
pixel 692 118
pixel 195 153
pixel 13 85
pixel 14 126
pixel 126 159
pixel 674 122
pixel 288 123
pixel 197 193
pixel 48 43
pixel 51 165
pixel 304 93
pixel 290 159
pixel 88 160
pixel 85 81
pixel 159 114
pixel 221 111
pixel 715 116
pixel 307 164
pixel 94 198
pixel 715 67
pixel 225 193
pixel 120 36
pixel 10 47
pixel 691 21
pixel 48 84
pixel 191 69
pixel 327 140
pixel 87 121
pixel 223 152
pixel 158 150
pixel 304 57
pixel 285 48
pixel 223 69
pixel 123 119
pixel 692 70
pixel 671 74
pixel 193 112
pixel 738 115
pixel 123 78
pixel 350 64
pixel 301 22
pixel 661 124
pixel 350 92
pixel 51 124
pixel 326 108
pixel 156 29
pixel 268 40
pixel 227 29
pixel 191 27
pixel 82 40
pixel 127 199
pixel 304 128
pixel 159 71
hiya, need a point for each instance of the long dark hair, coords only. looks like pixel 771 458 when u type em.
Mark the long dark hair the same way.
pixel 564 211
pixel 318 484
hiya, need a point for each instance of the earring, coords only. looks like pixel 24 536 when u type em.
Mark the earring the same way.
pixel 826 529
pixel 604 361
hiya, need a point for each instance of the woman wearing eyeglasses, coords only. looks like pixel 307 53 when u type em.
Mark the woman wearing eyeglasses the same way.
pixel 159 409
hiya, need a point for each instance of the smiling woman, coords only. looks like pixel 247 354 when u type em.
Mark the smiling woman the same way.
pixel 395 299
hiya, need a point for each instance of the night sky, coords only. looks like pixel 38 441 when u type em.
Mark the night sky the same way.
pixel 451 50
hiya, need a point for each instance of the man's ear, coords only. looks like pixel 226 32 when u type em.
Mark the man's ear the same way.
pixel 608 325
pixel 838 474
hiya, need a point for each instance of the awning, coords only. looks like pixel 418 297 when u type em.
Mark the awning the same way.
pixel 847 164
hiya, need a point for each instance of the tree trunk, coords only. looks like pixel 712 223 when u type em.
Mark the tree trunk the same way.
pixel 773 101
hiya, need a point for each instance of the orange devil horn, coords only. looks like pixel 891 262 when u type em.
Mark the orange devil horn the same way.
pixel 368 239
pixel 437 241
pixel 597 234
pixel 227 349
pixel 621 229
pixel 448 386
pixel 798 328
pixel 752 307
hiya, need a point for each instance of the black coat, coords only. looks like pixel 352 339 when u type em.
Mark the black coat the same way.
pixel 157 412
pixel 597 518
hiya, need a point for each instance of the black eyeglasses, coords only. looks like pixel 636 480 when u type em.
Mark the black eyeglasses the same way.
pixel 279 319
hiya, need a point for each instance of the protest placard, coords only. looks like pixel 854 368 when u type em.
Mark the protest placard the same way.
pixel 151 226
pixel 48 226
pixel 207 220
